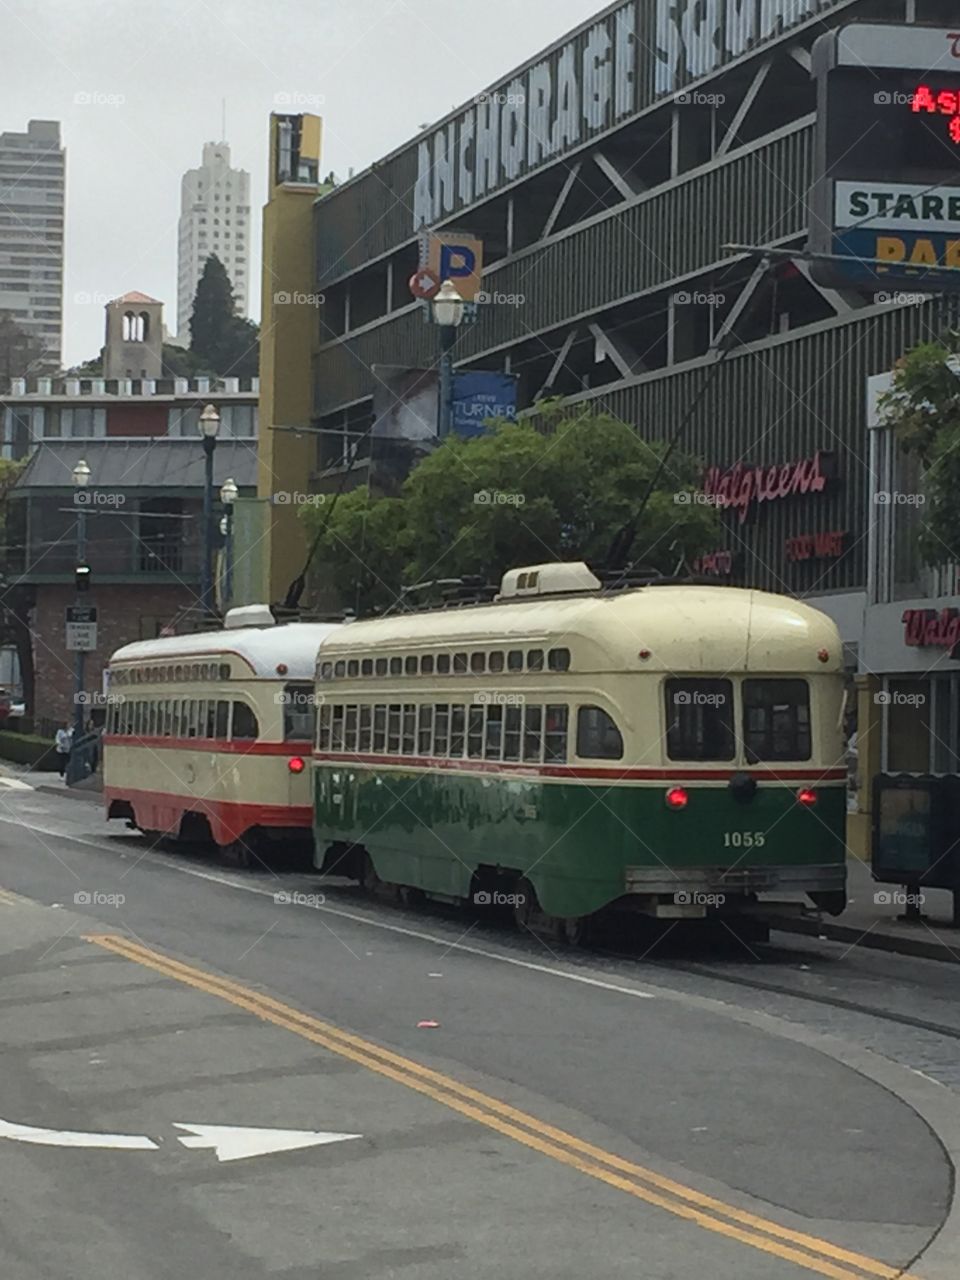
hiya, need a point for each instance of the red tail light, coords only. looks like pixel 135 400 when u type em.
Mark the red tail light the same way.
pixel 295 764
pixel 807 796
pixel 676 798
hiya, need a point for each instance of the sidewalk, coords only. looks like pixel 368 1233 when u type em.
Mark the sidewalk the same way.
pixel 871 919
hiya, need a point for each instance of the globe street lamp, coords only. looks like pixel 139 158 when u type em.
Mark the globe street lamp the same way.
pixel 228 496
pixel 448 312
pixel 209 426
pixel 81 479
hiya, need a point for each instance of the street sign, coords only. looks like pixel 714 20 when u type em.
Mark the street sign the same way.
pixel 885 204
pixel 81 628
pixel 456 256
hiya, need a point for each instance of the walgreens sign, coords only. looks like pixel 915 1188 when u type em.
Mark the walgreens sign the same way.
pixel 744 487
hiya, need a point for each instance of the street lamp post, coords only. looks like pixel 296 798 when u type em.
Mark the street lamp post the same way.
pixel 209 426
pixel 448 312
pixel 81 479
pixel 228 496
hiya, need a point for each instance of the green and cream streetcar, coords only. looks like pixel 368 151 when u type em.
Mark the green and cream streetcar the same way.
pixel 674 749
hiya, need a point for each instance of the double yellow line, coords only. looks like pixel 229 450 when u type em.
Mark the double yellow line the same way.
pixel 635 1180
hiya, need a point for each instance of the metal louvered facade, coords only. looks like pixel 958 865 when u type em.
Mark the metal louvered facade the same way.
pixel 610 241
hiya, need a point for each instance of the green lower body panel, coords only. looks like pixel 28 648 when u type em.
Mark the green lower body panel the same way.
pixel 582 845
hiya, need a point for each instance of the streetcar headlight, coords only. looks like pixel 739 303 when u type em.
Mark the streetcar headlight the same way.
pixel 676 798
pixel 295 764
pixel 806 795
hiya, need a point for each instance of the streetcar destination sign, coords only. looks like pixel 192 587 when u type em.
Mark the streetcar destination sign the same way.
pixel 885 205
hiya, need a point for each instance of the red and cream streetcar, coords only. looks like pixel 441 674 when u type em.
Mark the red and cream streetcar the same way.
pixel 208 736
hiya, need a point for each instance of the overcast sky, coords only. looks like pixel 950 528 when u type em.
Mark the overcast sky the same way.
pixel 155 72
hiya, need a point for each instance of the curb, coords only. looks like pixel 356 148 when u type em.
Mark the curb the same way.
pixel 922 948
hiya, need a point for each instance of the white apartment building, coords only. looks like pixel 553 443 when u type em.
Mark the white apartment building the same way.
pixel 214 219
pixel 32 168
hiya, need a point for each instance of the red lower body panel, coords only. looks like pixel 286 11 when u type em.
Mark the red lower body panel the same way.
pixel 228 819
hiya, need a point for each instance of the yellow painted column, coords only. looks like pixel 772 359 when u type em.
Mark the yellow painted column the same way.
pixel 869 721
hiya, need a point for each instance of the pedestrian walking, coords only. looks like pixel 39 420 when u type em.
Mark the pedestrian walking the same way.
pixel 64 741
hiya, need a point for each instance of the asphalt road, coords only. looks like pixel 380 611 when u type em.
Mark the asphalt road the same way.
pixel 570 1114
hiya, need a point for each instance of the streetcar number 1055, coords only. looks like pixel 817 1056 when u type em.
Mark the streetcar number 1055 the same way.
pixel 744 839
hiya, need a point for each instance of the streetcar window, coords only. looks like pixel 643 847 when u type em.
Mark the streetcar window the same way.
pixel 192 716
pixel 366 667
pixel 245 726
pixel 409 729
pixel 396 666
pixel 511 733
pixel 558 659
pixel 598 738
pixel 426 730
pixel 353 667
pixel 339 670
pixel 326 670
pixel 426 664
pixel 458 715
pixel 350 729
pixel 478 663
pixel 776 720
pixel 459 664
pixel 175 718
pixel 151 719
pixel 394 714
pixel 336 732
pixel 535 660
pixel 323 727
pixel 223 719
pixel 515 660
pixel 211 719
pixel 366 728
pixel 532 733
pixel 495 661
pixel 224 671
pixel 494 737
pixel 699 719
pixel 441 728
pixel 443 664
pixel 475 733
pixel 298 715
pixel 411 664
pixel 379 729
pixel 178 672
pixel 555 737
pixel 381 666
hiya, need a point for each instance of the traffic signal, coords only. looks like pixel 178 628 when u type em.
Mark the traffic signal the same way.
pixel 82 577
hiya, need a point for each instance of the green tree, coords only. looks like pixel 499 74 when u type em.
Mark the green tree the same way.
pixel 923 407
pixel 520 494
pixel 221 341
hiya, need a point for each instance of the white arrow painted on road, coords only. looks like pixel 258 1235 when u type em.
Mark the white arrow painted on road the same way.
pixel 233 1143
pixel 64 1138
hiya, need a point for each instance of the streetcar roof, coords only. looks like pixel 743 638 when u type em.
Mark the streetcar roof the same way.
pixel 295 644
pixel 683 628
